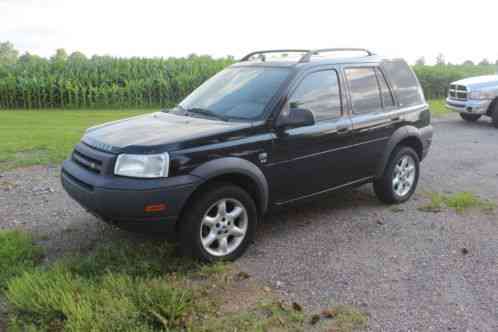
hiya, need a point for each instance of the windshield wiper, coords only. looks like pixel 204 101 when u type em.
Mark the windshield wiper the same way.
pixel 204 111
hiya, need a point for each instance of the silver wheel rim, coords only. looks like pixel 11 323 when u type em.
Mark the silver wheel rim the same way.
pixel 224 227
pixel 404 175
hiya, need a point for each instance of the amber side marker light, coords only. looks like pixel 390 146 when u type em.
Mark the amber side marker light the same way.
pixel 155 208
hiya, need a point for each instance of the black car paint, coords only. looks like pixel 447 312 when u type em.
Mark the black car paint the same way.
pixel 293 163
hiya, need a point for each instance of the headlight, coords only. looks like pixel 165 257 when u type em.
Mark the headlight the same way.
pixel 481 95
pixel 142 165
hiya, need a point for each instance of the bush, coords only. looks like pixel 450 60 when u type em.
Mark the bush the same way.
pixel 435 80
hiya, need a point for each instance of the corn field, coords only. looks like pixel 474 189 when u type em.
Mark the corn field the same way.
pixel 34 82
pixel 102 81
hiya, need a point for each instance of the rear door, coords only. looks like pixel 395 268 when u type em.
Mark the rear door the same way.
pixel 311 159
pixel 374 120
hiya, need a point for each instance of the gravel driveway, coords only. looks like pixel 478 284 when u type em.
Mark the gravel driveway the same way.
pixel 408 270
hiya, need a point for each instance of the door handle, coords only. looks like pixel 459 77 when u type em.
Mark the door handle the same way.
pixel 396 119
pixel 343 130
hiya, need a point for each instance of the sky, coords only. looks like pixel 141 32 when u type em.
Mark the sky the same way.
pixel 460 30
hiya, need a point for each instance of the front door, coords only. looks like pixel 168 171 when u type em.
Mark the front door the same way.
pixel 312 159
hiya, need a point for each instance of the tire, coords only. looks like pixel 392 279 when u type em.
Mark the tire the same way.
pixel 470 117
pixel 494 114
pixel 205 226
pixel 385 188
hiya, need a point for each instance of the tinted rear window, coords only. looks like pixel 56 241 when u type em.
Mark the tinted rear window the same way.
pixel 404 83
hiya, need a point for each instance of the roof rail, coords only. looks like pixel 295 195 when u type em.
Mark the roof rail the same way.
pixel 250 55
pixel 308 53
pixel 307 56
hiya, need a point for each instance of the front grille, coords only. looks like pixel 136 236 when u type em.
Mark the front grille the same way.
pixel 456 105
pixel 85 185
pixel 458 92
pixel 87 162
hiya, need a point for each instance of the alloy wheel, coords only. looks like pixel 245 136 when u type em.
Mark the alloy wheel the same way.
pixel 224 227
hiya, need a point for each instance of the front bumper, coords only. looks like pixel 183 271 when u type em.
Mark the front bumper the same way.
pixel 122 201
pixel 468 106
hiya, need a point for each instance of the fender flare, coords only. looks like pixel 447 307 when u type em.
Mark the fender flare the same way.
pixel 239 166
pixel 399 135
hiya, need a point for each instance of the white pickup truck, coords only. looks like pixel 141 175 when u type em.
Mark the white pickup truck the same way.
pixel 475 97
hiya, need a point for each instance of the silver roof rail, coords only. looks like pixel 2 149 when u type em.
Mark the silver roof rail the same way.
pixel 307 56
pixel 262 53
pixel 308 53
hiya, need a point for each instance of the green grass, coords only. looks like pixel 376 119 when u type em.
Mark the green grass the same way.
pixel 349 319
pixel 18 254
pixel 460 201
pixel 437 107
pixel 128 285
pixel 47 137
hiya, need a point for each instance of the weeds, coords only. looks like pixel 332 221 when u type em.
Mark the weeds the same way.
pixel 130 286
pixel 438 108
pixel 18 253
pixel 460 201
pixel 349 319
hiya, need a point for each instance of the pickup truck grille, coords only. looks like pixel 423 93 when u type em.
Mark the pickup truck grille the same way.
pixel 458 92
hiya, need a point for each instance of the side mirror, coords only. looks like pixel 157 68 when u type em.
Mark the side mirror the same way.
pixel 295 117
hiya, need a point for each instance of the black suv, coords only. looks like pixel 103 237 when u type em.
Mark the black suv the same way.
pixel 267 131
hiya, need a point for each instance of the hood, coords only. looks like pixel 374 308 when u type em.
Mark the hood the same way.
pixel 479 81
pixel 156 129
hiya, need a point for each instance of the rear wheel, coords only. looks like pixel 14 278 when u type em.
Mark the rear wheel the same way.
pixel 400 178
pixel 470 117
pixel 219 225
pixel 494 114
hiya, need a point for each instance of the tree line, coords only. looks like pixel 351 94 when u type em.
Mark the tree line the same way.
pixel 75 81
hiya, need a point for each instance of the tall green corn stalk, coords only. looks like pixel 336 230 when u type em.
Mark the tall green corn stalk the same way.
pixel 102 81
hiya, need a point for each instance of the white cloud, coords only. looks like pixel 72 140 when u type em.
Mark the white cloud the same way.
pixel 174 28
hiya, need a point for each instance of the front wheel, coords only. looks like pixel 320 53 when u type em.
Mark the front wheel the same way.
pixel 219 225
pixel 470 117
pixel 400 178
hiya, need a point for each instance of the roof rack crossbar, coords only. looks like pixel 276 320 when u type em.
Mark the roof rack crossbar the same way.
pixel 308 55
pixel 250 55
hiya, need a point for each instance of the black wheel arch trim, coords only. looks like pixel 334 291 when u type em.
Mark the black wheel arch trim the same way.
pixel 423 135
pixel 238 166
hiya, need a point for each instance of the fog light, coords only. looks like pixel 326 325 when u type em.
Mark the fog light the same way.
pixel 155 208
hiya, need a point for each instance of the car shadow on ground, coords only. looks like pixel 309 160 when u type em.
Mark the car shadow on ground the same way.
pixel 457 123
pixel 302 214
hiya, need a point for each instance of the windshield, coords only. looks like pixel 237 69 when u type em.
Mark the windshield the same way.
pixel 236 93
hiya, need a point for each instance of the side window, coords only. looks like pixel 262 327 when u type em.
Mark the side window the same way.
pixel 319 92
pixel 364 88
pixel 387 96
pixel 404 82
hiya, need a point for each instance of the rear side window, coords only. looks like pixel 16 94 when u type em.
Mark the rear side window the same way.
pixel 405 83
pixel 385 91
pixel 319 93
pixel 364 89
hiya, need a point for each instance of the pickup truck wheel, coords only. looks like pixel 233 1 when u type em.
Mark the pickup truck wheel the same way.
pixel 219 225
pixel 400 178
pixel 470 117
pixel 494 115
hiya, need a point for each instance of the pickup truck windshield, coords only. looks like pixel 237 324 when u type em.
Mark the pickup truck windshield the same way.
pixel 236 93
